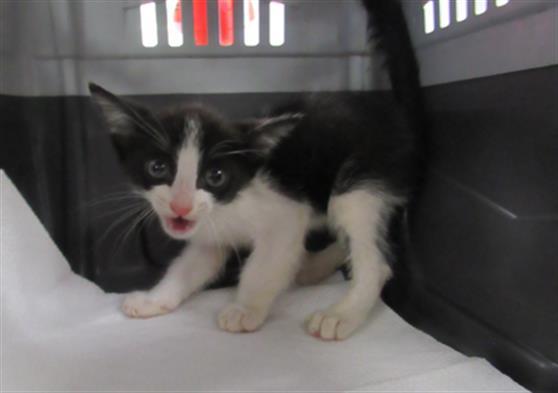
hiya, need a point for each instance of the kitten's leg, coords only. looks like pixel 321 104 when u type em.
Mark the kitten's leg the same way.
pixel 270 268
pixel 317 266
pixel 188 273
pixel 359 216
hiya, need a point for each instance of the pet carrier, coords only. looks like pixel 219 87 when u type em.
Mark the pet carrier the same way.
pixel 478 271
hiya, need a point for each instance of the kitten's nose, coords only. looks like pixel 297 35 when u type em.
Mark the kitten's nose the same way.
pixel 180 209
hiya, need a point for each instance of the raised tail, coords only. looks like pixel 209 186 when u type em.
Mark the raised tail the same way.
pixel 388 29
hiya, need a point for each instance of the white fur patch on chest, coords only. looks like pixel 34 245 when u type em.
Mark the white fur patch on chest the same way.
pixel 258 210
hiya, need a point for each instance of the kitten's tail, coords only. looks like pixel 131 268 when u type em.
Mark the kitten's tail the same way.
pixel 387 27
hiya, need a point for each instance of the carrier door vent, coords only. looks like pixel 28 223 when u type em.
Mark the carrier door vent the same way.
pixel 441 14
pixel 199 16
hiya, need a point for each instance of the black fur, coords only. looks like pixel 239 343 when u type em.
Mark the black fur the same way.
pixel 388 29
pixel 218 138
pixel 319 146
pixel 341 143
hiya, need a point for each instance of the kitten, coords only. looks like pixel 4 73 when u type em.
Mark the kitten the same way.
pixel 342 161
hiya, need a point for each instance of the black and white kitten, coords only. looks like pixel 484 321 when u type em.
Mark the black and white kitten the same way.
pixel 345 162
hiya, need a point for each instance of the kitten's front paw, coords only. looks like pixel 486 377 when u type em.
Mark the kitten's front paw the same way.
pixel 145 305
pixel 236 318
pixel 330 325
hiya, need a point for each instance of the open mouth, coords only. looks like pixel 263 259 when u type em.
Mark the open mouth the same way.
pixel 180 225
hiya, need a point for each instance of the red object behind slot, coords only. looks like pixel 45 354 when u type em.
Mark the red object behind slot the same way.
pixel 199 9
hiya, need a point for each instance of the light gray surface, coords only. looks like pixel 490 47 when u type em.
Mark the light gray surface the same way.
pixel 59 332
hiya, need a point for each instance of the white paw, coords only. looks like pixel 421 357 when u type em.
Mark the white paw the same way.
pixel 236 318
pixel 330 325
pixel 145 305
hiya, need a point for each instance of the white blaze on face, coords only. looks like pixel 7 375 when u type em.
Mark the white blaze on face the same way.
pixel 184 185
pixel 183 189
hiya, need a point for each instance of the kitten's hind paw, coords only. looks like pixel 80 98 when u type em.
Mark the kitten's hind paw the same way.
pixel 329 325
pixel 145 305
pixel 236 318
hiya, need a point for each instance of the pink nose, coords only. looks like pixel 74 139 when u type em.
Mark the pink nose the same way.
pixel 180 209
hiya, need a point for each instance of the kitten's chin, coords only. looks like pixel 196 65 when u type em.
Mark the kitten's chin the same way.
pixel 178 228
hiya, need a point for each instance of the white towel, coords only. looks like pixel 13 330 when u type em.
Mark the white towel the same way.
pixel 60 332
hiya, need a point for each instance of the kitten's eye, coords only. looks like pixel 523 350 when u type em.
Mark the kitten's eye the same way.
pixel 216 178
pixel 157 169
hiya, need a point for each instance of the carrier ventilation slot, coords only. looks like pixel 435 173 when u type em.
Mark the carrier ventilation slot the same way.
pixel 440 14
pixel 276 23
pixel 226 22
pixel 226 9
pixel 148 16
pixel 174 23
pixel 251 22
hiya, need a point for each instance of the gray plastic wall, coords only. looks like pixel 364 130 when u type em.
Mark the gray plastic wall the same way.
pixel 518 36
pixel 55 47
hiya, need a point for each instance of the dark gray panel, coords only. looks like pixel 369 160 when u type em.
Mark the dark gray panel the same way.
pixel 482 271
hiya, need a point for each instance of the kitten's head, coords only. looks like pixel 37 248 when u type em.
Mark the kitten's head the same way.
pixel 187 160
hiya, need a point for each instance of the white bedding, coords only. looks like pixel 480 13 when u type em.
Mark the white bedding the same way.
pixel 62 333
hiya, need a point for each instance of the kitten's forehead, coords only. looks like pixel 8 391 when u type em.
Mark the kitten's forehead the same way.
pixel 175 119
pixel 195 123
pixel 188 158
pixel 192 127
pixel 192 132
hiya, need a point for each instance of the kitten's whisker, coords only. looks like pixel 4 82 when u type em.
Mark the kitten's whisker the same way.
pixel 133 225
pixel 236 152
pixel 110 212
pixel 222 144
pixel 136 224
pixel 157 135
pixel 113 197
pixel 125 216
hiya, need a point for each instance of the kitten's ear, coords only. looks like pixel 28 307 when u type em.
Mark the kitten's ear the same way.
pixel 118 113
pixel 266 133
pixel 127 120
